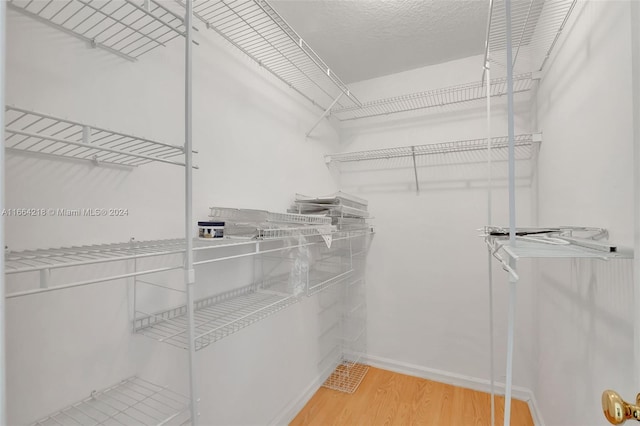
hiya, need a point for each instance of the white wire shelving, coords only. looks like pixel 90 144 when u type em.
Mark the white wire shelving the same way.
pixel 536 26
pixel 563 242
pixel 303 219
pixel 324 280
pixel 438 98
pixel 133 401
pixel 220 315
pixel 44 134
pixel 127 28
pixel 45 261
pixel 256 29
pixel 532 249
pixel 307 231
pixel 430 165
pixel 263 216
pixel 215 317
pixel 347 377
pixel 526 146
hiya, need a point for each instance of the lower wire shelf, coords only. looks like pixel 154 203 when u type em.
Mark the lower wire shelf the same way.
pixel 215 317
pixel 346 377
pixel 133 401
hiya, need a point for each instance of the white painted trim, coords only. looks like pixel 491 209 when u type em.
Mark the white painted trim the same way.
pixel 536 414
pixel 292 409
pixel 459 380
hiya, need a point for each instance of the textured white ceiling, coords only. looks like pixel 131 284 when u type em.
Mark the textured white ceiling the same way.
pixel 363 39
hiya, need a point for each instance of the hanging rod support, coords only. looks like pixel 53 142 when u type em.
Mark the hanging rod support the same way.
pixel 325 113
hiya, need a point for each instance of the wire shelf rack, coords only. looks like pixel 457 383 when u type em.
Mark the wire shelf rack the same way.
pixel 256 29
pixel 216 317
pixel 438 98
pixel 346 377
pixel 536 26
pixel 260 216
pixel 39 133
pixel 238 215
pixel 35 260
pixel 133 401
pixel 325 281
pixel 305 219
pixel 565 242
pixel 306 231
pixel 45 261
pixel 532 249
pixel 526 146
pixel 126 28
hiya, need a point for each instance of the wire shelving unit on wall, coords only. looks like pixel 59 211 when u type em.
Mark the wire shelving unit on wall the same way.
pixel 526 147
pixel 256 29
pixel 216 316
pixel 438 98
pixel 220 315
pixel 132 401
pixel 127 28
pixel 439 163
pixel 44 134
pixel 536 26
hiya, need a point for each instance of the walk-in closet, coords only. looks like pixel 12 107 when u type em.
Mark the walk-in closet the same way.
pixel 320 212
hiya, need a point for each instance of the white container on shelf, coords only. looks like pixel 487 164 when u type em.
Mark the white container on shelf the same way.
pixel 207 230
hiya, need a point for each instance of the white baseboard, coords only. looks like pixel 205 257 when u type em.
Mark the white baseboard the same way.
pixel 459 380
pixel 292 409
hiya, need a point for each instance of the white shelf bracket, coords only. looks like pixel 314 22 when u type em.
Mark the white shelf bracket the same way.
pixel 325 113
pixel 415 169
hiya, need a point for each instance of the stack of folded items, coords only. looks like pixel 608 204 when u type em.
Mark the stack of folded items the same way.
pixel 249 223
pixel 345 210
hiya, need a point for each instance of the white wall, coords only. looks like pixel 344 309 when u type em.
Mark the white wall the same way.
pixel 428 278
pixel 585 307
pixel 249 130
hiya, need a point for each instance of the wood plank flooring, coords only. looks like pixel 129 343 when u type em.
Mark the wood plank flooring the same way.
pixel 387 398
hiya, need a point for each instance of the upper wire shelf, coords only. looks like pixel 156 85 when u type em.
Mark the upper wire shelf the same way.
pixel 127 28
pixel 46 260
pixel 132 401
pixel 525 148
pixel 432 99
pixel 256 29
pixel 35 132
pixel 536 26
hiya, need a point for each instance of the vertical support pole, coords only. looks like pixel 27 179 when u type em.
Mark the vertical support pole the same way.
pixel 189 273
pixel 511 319
pixel 3 377
pixel 489 223
pixel 635 81
pixel 415 169
pixel 512 218
pixel 510 122
pixel 135 285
